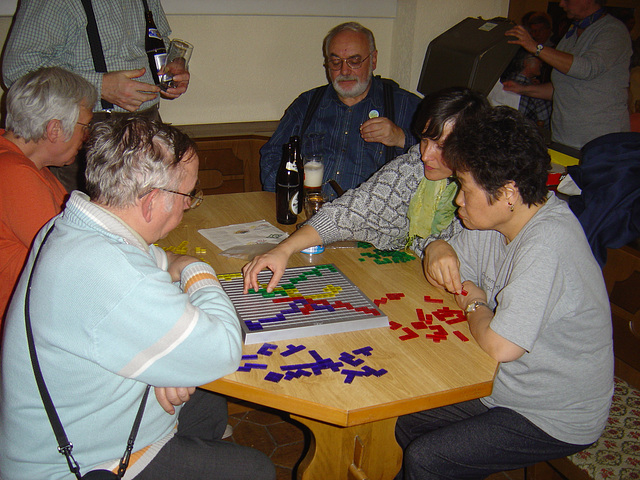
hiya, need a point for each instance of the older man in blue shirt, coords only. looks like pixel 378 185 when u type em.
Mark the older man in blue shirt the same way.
pixel 363 121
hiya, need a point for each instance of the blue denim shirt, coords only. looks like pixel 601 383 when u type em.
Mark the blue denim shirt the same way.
pixel 348 159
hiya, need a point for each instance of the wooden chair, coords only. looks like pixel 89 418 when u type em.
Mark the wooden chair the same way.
pixel 616 455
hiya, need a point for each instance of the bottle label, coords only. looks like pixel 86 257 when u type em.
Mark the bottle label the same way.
pixel 160 59
pixel 291 166
pixel 294 205
pixel 153 33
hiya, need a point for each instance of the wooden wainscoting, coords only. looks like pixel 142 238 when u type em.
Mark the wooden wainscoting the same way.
pixel 230 164
pixel 230 154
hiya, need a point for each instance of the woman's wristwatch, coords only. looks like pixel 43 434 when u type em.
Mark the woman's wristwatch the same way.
pixel 474 305
pixel 538 49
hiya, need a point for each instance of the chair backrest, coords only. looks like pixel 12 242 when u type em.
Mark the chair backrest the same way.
pixel 622 277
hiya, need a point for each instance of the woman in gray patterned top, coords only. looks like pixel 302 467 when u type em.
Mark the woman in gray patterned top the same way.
pixel 405 203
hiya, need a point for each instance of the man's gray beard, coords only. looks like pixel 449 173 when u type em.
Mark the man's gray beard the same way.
pixel 357 90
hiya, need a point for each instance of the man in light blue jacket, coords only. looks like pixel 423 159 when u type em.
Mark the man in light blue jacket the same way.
pixel 111 313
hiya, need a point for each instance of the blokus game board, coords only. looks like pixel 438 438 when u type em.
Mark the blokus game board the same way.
pixel 309 301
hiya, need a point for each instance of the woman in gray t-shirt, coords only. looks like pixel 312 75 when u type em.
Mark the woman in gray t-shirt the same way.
pixel 535 300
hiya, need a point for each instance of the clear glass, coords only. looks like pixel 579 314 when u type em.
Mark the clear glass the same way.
pixel 177 61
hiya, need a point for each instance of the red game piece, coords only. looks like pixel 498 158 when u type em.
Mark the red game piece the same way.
pixel 460 335
pixel 427 298
pixel 409 334
pixel 394 325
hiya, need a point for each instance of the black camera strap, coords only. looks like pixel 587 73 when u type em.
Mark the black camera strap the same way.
pixel 64 445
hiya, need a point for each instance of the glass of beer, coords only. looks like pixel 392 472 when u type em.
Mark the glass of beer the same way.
pixel 313 202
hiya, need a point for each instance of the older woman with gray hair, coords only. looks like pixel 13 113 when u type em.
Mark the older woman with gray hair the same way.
pixel 48 115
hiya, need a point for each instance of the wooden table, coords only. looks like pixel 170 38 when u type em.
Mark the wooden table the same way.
pixel 352 424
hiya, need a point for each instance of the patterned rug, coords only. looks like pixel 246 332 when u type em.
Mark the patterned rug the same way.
pixel 616 454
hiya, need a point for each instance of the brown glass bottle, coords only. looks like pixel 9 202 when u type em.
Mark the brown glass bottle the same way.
pixel 154 45
pixel 297 156
pixel 287 188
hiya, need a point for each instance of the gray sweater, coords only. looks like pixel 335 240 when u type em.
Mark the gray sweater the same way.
pixel 591 99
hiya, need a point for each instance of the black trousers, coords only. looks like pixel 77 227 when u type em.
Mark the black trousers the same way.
pixel 197 451
pixel 470 441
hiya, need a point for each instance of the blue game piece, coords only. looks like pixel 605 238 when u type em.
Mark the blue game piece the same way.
pixel 266 349
pixel 261 366
pixel 351 360
pixel 364 351
pixel 273 377
pixel 315 355
pixel 291 349
pixel 350 375
pixel 249 357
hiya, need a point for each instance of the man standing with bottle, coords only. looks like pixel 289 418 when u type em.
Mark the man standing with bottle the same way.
pixel 47 33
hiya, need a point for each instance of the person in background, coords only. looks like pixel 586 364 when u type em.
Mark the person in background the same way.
pixel 535 301
pixel 46 33
pixel 48 116
pixel 408 202
pixel 111 313
pixel 526 69
pixel 590 78
pixel 359 130
pixel 540 26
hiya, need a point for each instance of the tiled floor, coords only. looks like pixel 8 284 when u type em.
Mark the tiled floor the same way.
pixel 285 441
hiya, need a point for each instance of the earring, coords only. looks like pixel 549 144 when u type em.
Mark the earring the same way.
pixel 510 206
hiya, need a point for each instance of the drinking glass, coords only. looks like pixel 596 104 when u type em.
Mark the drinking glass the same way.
pixel 177 62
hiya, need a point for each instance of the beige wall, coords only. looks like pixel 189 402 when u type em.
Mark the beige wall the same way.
pixel 249 68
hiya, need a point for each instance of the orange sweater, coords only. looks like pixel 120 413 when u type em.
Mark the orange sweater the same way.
pixel 29 198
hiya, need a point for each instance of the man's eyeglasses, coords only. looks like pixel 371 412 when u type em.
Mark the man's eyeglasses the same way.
pixel 354 63
pixel 195 196
pixel 86 128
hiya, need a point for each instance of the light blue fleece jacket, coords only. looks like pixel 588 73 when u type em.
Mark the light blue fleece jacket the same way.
pixel 107 320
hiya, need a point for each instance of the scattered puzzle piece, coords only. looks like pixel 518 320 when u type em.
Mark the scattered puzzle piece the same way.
pixel 427 298
pixel 363 351
pixel 274 377
pixel 266 349
pixel 419 325
pixel 291 349
pixel 409 334
pixel 460 335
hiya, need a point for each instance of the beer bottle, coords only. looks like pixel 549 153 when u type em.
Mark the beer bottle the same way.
pixel 154 45
pixel 297 156
pixel 287 188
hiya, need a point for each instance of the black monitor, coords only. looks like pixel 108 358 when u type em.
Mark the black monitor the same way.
pixel 472 54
